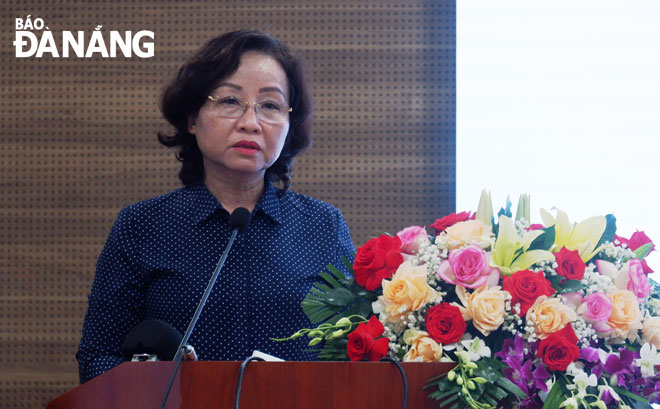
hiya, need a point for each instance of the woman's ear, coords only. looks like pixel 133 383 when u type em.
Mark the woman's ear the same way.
pixel 191 124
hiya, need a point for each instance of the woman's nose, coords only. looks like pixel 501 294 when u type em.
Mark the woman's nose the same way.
pixel 249 121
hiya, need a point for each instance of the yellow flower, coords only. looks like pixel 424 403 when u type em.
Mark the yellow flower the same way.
pixel 406 292
pixel 549 315
pixel 651 331
pixel 423 348
pixel 468 232
pixel 626 319
pixel 485 307
pixel 511 253
pixel 583 236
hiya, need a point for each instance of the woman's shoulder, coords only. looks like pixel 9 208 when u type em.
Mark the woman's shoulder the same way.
pixel 177 201
pixel 307 205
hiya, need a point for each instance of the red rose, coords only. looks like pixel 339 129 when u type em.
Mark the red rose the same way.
pixel 570 264
pixel 378 259
pixel 363 343
pixel 444 323
pixel 441 225
pixel 559 349
pixel 525 287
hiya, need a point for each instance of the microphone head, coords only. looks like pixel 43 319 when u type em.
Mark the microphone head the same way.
pixel 240 218
pixel 152 337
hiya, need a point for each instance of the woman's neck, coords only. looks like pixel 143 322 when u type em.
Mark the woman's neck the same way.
pixel 235 192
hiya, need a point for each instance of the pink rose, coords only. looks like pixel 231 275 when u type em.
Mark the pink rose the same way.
pixel 630 277
pixel 573 300
pixel 411 238
pixel 596 309
pixel 638 282
pixel 468 267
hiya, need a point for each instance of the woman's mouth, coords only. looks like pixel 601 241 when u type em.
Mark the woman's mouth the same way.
pixel 247 147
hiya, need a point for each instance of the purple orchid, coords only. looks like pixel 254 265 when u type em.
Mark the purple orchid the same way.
pixel 651 389
pixel 513 351
pixel 531 402
pixel 520 370
pixel 622 366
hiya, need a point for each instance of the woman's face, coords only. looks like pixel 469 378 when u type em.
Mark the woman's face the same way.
pixel 252 142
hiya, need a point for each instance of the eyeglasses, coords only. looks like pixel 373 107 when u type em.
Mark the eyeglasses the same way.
pixel 232 107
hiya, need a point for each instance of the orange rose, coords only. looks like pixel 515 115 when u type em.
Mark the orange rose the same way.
pixel 651 331
pixel 549 315
pixel 406 292
pixel 423 348
pixel 626 318
pixel 468 232
pixel 485 307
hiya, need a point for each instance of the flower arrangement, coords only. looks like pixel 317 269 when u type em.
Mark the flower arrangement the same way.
pixel 558 315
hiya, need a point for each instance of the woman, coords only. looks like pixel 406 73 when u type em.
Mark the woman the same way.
pixel 241 111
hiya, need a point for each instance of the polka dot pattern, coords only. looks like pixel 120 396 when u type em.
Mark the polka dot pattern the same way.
pixel 161 253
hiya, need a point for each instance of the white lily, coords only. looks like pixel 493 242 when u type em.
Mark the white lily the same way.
pixel 583 236
pixel 485 208
pixel 523 208
pixel 603 388
pixel 649 358
pixel 511 253
pixel 581 382
pixel 570 403
pixel 476 348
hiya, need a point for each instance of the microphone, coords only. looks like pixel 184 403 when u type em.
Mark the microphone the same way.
pixel 153 338
pixel 238 220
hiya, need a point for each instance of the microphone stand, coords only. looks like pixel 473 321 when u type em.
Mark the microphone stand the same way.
pixel 198 312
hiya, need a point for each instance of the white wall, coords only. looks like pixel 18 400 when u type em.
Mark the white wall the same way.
pixel 561 99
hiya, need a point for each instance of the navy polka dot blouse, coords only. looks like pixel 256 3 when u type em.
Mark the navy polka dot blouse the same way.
pixel 161 253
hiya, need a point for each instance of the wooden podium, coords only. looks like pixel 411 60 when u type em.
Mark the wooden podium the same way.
pixel 309 385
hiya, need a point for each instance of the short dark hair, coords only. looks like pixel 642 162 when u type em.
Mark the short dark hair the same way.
pixel 200 74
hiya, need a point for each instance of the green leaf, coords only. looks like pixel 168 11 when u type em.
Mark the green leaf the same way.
pixel 330 280
pixel 442 395
pixel 446 402
pixel 317 291
pixel 335 271
pixel 505 211
pixel 643 251
pixel 489 399
pixel 554 280
pixel 567 286
pixel 511 387
pixel 556 395
pixel 610 230
pixel 545 240
pixel 570 286
pixel 339 297
pixel 323 287
pixel 336 296
pixel 320 316
pixel 655 288
pixel 348 264
pixel 631 395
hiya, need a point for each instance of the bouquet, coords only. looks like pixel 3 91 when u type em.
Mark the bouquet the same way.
pixel 552 315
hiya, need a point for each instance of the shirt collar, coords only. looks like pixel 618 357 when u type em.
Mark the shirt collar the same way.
pixel 206 204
